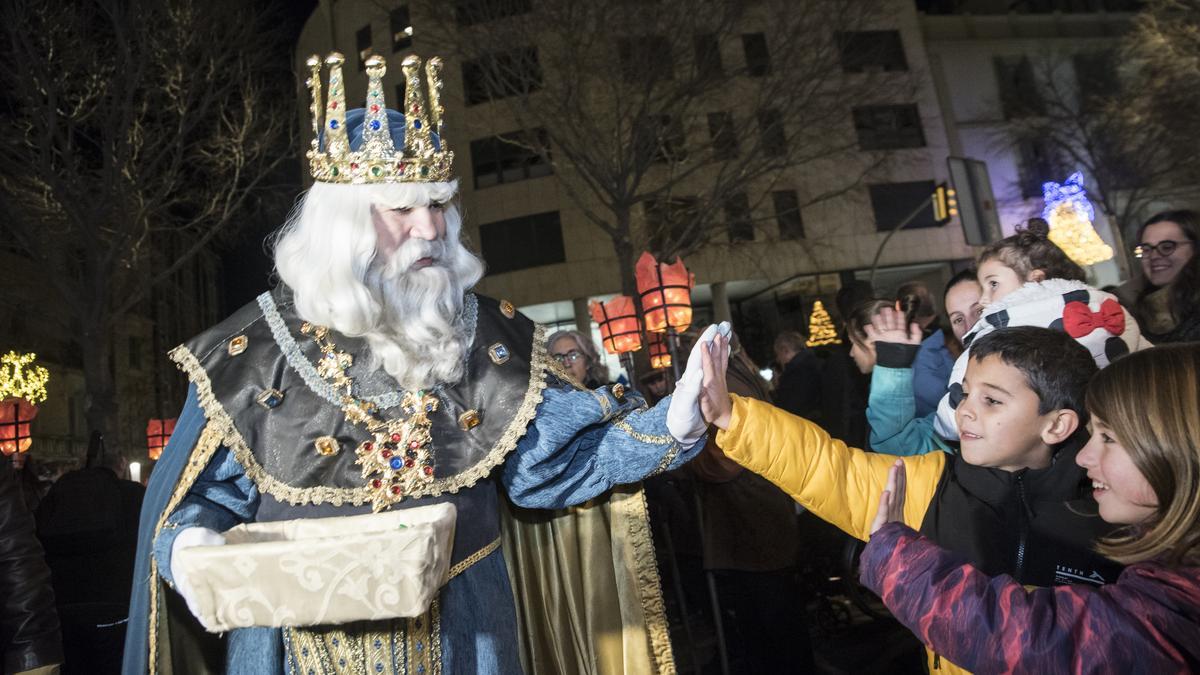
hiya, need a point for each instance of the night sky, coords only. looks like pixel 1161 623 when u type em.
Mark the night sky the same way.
pixel 246 266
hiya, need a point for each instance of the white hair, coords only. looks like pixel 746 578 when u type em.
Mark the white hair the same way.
pixel 410 318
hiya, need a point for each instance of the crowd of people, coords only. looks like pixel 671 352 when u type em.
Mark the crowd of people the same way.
pixel 1023 466
pixel 1049 439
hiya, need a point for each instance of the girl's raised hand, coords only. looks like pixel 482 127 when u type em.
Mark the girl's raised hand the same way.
pixel 891 502
pixel 888 326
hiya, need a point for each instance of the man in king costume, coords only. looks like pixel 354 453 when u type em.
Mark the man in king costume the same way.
pixel 372 380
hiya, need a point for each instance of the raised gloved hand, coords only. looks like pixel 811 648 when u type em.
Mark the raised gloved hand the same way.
pixel 684 419
pixel 187 538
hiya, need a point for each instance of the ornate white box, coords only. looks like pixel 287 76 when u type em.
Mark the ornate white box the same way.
pixel 321 571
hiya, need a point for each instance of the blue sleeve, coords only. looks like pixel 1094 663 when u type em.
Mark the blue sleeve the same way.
pixel 582 443
pixel 895 428
pixel 221 497
pixel 931 373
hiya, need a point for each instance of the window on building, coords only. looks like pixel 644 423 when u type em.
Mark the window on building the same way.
pixel 758 58
pixel 494 76
pixel 521 243
pixel 508 158
pixel 708 56
pixel 774 139
pixel 402 30
pixel 1095 77
pixel 1039 162
pixel 866 50
pixel 787 214
pixel 738 219
pixel 892 202
pixel 136 345
pixel 723 134
pixel 645 58
pixel 668 220
pixel 1019 95
pixel 362 40
pixel 471 12
pixel 888 127
pixel 660 138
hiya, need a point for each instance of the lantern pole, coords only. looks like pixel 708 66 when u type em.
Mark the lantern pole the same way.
pixel 16 425
pixel 672 337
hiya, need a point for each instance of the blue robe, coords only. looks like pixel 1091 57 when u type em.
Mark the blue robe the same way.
pixel 580 444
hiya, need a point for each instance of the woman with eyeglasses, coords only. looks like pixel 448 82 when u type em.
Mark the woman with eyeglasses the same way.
pixel 575 352
pixel 1166 297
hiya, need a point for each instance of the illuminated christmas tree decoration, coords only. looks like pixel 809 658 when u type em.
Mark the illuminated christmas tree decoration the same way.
pixel 19 378
pixel 1070 215
pixel 820 328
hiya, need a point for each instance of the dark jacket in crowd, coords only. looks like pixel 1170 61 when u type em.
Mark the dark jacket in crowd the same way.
pixel 798 390
pixel 29 630
pixel 88 524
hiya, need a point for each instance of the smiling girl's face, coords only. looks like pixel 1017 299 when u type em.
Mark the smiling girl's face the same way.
pixel 1123 493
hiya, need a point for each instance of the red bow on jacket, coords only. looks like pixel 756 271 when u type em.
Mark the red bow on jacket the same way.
pixel 1079 320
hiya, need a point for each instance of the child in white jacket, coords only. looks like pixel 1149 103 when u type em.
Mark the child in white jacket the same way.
pixel 1027 280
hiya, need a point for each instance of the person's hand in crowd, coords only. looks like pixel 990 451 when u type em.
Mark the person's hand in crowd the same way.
pixel 891 502
pixel 714 396
pixel 684 418
pixel 888 326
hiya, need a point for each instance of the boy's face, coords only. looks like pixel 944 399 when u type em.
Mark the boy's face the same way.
pixel 998 421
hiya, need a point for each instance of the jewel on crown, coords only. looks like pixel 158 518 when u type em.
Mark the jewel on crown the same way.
pixel 422 159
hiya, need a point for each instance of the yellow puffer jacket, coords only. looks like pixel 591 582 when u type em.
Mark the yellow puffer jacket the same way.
pixel 841 485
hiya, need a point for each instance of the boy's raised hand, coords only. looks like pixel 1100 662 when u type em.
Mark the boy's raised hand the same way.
pixel 714 393
pixel 888 326
pixel 891 502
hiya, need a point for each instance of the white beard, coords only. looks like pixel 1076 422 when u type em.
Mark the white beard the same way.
pixel 419 338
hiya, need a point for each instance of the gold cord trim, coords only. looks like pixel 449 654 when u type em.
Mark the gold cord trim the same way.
pixel 210 440
pixel 475 557
pixel 632 518
pixel 665 462
pixel 645 438
pixel 539 366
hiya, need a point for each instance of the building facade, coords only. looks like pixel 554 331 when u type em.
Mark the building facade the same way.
pixel 546 256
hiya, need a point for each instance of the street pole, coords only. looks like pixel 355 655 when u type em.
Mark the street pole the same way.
pixel 925 204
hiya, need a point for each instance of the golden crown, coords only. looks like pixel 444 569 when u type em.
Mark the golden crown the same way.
pixel 377 160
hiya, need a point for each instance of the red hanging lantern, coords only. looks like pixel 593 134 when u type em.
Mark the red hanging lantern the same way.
pixel 619 331
pixel 158 434
pixel 15 416
pixel 666 292
pixel 660 355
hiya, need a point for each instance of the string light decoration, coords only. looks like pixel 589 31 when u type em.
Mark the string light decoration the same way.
pixel 19 378
pixel 821 330
pixel 22 387
pixel 1070 215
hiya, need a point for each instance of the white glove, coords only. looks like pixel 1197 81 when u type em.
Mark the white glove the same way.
pixel 684 419
pixel 187 538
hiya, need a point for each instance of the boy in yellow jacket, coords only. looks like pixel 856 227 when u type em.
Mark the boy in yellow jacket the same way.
pixel 1013 501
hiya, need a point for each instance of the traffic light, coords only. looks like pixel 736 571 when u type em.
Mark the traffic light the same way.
pixel 945 204
pixel 979 218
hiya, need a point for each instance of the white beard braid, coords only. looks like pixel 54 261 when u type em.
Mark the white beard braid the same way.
pixel 418 338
